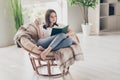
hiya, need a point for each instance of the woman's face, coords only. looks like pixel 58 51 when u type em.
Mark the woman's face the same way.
pixel 53 17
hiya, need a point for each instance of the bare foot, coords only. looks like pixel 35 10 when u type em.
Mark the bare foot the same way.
pixel 41 48
pixel 45 52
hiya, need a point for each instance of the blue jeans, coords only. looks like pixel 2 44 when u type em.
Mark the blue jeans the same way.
pixel 56 42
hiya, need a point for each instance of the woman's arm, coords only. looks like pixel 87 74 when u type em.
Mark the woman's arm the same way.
pixel 37 23
pixel 40 35
pixel 70 32
pixel 72 35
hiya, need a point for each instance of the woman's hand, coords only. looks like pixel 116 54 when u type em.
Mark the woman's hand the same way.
pixel 70 32
pixel 37 23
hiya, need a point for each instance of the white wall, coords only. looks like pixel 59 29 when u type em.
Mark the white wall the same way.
pixel 94 20
pixel 6 24
pixel 75 18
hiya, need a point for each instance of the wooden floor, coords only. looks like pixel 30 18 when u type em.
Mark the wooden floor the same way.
pixel 101 61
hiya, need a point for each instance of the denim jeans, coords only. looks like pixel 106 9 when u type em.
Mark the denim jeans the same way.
pixel 56 42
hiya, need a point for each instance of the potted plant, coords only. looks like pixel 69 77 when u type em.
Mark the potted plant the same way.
pixel 86 4
pixel 17 13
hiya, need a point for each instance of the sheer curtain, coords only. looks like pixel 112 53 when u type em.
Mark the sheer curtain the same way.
pixel 37 8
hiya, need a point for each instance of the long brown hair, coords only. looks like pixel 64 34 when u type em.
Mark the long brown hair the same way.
pixel 47 18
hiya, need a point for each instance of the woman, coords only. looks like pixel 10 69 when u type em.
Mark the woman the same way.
pixel 49 43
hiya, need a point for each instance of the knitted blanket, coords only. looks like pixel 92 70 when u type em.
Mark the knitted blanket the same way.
pixel 67 56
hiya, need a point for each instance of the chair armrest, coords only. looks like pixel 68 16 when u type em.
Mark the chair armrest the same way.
pixel 28 45
pixel 31 47
pixel 75 38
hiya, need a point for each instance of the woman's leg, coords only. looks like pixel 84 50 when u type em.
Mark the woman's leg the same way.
pixel 64 43
pixel 50 43
pixel 57 40
pixel 45 42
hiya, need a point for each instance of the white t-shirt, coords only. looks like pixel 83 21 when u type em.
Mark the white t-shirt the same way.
pixel 47 32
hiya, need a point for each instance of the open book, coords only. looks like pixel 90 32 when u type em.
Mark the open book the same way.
pixel 58 30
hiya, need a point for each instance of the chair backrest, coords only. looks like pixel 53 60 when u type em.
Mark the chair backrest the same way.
pixel 32 32
pixel 26 37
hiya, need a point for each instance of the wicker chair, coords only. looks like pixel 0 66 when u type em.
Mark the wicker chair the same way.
pixel 26 38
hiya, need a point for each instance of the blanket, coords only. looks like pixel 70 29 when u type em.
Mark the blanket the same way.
pixel 67 57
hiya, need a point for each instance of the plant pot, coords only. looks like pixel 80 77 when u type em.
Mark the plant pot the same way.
pixel 86 28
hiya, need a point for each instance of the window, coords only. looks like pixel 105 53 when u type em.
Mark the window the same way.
pixel 37 8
